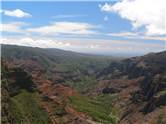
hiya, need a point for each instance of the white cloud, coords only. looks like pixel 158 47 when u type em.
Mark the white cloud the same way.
pixel 142 13
pixel 12 27
pixel 123 34
pixel 137 36
pixel 93 46
pixel 77 28
pixel 16 13
pixel 65 28
pixel 154 38
pixel 28 41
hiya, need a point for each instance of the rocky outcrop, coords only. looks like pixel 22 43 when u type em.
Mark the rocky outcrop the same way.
pixel 110 90
pixel 144 97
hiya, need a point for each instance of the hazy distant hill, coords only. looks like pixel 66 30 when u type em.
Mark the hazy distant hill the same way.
pixel 150 64
pixel 10 51
pixel 74 67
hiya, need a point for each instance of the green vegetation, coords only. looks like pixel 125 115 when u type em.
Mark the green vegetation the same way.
pixel 78 70
pixel 27 109
pixel 59 110
pixel 84 84
pixel 160 93
pixel 100 108
pixel 20 101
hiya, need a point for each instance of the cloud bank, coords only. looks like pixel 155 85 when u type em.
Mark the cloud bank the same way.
pixel 14 27
pixel 65 28
pixel 149 14
pixel 96 46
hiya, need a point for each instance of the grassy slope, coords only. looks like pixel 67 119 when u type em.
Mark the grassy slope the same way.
pixel 27 109
pixel 100 108
pixel 19 105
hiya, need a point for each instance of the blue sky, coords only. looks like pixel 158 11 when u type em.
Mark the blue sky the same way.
pixel 88 27
pixel 45 12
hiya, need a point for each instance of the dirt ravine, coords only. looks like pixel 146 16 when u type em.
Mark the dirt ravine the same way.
pixel 57 95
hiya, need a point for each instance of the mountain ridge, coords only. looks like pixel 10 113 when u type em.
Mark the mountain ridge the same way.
pixel 131 90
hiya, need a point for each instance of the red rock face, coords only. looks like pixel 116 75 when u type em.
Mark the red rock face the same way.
pixel 58 94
